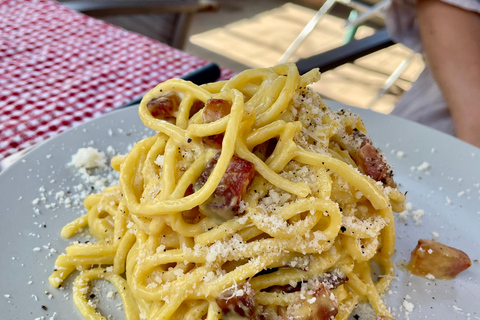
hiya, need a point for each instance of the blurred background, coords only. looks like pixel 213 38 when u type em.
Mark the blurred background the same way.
pixel 256 33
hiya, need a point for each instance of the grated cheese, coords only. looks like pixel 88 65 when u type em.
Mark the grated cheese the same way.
pixel 89 158
pixel 424 166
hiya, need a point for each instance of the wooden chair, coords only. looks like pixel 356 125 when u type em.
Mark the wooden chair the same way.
pixel 165 20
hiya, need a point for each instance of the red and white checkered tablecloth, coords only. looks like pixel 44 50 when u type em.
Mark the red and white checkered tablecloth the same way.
pixel 60 68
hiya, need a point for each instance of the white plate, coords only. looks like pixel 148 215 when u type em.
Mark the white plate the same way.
pixel 448 192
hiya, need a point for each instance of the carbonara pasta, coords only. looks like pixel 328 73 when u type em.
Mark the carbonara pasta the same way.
pixel 253 200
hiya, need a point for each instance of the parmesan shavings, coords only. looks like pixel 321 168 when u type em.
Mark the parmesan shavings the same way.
pixel 89 158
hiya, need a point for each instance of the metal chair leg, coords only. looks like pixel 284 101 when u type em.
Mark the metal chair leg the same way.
pixel 367 14
pixel 391 80
pixel 306 31
pixel 350 31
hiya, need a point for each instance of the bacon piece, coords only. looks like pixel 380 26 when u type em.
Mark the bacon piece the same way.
pixel 224 203
pixel 371 160
pixel 368 158
pixel 165 106
pixel 373 164
pixel 214 142
pixel 436 259
pixel 238 302
pixel 324 307
pixel 321 305
pixel 214 110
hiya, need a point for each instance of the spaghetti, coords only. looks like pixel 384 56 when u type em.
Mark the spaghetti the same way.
pixel 253 200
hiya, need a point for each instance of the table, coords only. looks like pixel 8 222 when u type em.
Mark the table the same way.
pixel 60 68
pixel 43 173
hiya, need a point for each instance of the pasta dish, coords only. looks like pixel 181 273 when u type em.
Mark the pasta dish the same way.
pixel 253 200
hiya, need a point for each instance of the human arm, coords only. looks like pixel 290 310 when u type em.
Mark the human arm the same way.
pixel 451 41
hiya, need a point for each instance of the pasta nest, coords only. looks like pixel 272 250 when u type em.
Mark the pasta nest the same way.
pixel 303 235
